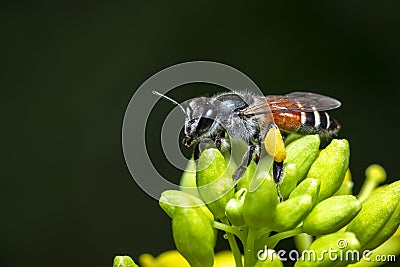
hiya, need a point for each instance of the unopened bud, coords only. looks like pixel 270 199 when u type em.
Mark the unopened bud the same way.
pixel 379 217
pixel 331 214
pixel 259 205
pixel 215 188
pixel 330 167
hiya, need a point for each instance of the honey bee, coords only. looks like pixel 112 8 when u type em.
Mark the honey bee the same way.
pixel 250 118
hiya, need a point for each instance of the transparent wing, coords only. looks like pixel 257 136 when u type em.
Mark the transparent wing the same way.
pixel 293 102
pixel 302 101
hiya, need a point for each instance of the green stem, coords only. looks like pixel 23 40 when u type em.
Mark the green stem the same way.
pixel 231 239
pixel 272 241
pixel 366 189
pixel 375 175
pixel 262 235
pixel 230 229
pixel 249 255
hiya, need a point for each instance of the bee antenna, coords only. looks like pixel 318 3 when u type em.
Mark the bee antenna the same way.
pixel 171 100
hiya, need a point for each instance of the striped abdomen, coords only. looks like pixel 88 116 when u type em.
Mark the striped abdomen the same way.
pixel 315 122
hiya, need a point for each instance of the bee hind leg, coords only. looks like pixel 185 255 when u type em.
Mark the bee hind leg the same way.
pixel 275 147
pixel 277 171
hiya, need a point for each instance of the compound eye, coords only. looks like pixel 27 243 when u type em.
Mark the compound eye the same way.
pixel 189 126
pixel 204 125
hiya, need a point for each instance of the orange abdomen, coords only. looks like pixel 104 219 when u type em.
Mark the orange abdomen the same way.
pixel 288 122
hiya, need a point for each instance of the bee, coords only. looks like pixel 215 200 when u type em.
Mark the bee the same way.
pixel 253 119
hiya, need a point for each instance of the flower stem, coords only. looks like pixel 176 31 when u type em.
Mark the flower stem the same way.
pixel 231 239
pixel 375 175
pixel 272 241
pixel 230 229
pixel 249 255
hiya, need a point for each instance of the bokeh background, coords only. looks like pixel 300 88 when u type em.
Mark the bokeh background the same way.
pixel 68 71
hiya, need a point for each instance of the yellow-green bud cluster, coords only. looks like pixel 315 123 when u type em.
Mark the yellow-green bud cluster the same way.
pixel 317 201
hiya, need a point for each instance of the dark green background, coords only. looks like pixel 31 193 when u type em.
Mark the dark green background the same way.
pixel 67 72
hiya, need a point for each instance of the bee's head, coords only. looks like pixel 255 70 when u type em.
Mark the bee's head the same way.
pixel 200 117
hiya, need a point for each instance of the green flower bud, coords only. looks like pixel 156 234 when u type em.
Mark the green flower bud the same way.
pixel 241 194
pixel 123 261
pixel 188 179
pixel 379 217
pixel 291 137
pixel 347 185
pixel 260 204
pixel 375 175
pixel 234 210
pixel 289 178
pixel 302 241
pixel 302 152
pixel 194 236
pixel 376 172
pixel 171 199
pixel 268 258
pixel 331 214
pixel 330 167
pixel 230 162
pixel 387 250
pixel 246 178
pixel 330 250
pixel 291 212
pixel 215 188
pixel 308 186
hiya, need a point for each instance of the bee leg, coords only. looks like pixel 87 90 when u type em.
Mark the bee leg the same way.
pixel 196 152
pixel 275 147
pixel 218 143
pixel 277 170
pixel 245 162
pixel 273 143
pixel 221 142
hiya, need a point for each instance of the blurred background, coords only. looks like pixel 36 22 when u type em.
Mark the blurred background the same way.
pixel 68 71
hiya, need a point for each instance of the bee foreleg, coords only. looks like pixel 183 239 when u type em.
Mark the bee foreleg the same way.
pixel 218 142
pixel 196 152
pixel 248 156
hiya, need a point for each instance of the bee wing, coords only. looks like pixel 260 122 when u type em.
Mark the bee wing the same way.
pixel 301 102
pixel 259 107
pixel 293 102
